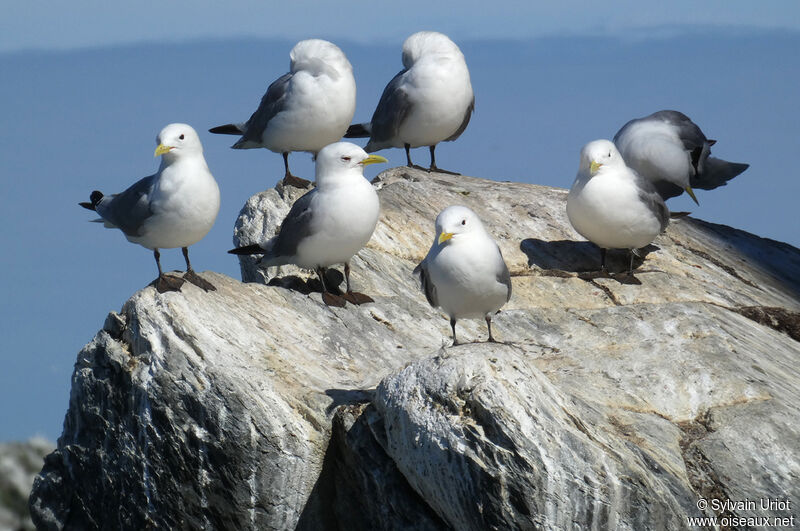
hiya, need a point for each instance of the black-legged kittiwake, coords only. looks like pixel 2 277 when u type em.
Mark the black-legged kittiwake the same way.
pixel 464 273
pixel 329 224
pixel 428 102
pixel 176 207
pixel 672 152
pixel 611 205
pixel 305 109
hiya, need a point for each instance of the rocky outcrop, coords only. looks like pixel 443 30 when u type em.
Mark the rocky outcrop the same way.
pixel 614 403
pixel 19 464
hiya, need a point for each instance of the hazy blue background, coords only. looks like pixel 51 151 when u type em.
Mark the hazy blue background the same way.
pixel 87 86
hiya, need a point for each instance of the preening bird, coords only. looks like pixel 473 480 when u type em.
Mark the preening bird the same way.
pixel 329 224
pixel 176 207
pixel 611 205
pixel 428 102
pixel 464 273
pixel 672 152
pixel 303 110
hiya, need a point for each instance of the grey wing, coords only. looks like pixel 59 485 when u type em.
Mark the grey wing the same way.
pixel 653 200
pixel 128 210
pixel 688 131
pixel 465 123
pixel 297 225
pixel 504 275
pixel 427 284
pixel 273 102
pixel 390 113
pixel 717 172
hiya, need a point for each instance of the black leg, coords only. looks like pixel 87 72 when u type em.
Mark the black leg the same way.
pixel 453 326
pixel 433 163
pixel 165 283
pixel 327 297
pixel 603 267
pixel 489 324
pixel 193 277
pixel 408 160
pixel 158 262
pixel 185 251
pixel 347 276
pixel 290 179
pixel 351 296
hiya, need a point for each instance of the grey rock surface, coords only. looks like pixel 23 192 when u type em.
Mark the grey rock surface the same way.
pixel 20 462
pixel 615 402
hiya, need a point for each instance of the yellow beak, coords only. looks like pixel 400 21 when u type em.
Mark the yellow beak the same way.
pixel 594 167
pixel 161 149
pixel 443 237
pixel 372 159
pixel 691 194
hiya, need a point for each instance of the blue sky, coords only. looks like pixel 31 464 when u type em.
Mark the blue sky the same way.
pixel 60 24
pixel 87 87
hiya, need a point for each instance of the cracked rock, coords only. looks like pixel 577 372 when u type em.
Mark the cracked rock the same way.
pixel 613 404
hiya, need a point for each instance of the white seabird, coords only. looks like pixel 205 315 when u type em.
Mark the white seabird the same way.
pixel 464 272
pixel 305 109
pixel 329 224
pixel 611 205
pixel 176 207
pixel 671 151
pixel 428 102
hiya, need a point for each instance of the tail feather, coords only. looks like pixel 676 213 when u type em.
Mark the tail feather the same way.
pixel 248 249
pixel 227 129
pixel 717 172
pixel 94 200
pixel 358 131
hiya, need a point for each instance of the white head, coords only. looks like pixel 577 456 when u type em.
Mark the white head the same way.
pixel 177 140
pixel 456 222
pixel 598 154
pixel 342 160
pixel 428 43
pixel 319 57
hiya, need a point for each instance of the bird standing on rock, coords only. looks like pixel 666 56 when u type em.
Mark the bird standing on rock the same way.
pixel 176 207
pixel 464 272
pixel 428 102
pixel 303 110
pixel 329 224
pixel 672 152
pixel 611 205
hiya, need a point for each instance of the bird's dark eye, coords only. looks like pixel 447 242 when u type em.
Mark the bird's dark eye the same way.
pixel 463 221
pixel 181 137
pixel 346 159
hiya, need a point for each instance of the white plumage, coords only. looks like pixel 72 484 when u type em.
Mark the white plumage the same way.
pixel 464 272
pixel 175 207
pixel 307 108
pixel 332 222
pixel 428 102
pixel 612 206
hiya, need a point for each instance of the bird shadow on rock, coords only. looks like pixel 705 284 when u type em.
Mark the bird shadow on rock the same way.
pixel 333 279
pixel 568 258
pixel 346 397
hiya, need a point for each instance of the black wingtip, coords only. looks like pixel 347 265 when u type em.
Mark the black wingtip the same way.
pixel 357 131
pixel 248 249
pixel 94 198
pixel 227 129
